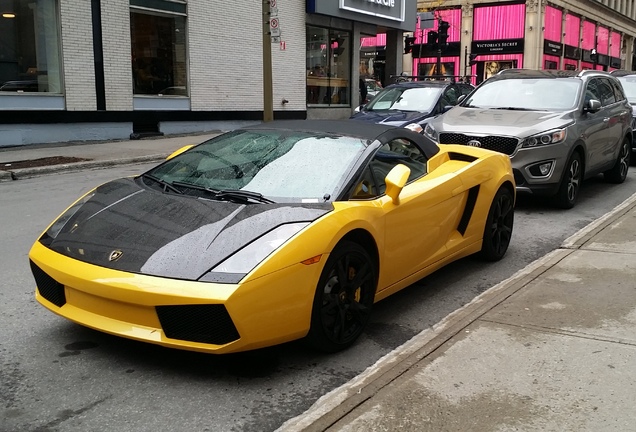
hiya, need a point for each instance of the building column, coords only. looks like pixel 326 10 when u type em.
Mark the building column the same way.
pixel 465 39
pixel 533 41
pixel 394 54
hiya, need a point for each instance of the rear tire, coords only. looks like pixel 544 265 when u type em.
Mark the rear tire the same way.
pixel 618 173
pixel 499 223
pixel 571 183
pixel 343 300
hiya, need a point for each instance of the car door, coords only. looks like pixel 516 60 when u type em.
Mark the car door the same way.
pixel 417 229
pixel 594 127
pixel 615 117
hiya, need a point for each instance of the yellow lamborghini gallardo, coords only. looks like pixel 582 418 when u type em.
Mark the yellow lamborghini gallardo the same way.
pixel 272 233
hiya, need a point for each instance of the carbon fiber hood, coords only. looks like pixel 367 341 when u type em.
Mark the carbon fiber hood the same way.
pixel 167 235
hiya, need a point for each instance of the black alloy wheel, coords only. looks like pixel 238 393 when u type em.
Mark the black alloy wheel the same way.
pixel 571 183
pixel 618 173
pixel 498 230
pixel 344 297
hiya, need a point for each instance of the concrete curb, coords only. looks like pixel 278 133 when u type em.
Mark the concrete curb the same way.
pixel 54 169
pixel 336 404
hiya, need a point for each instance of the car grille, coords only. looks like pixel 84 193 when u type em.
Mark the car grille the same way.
pixel 48 287
pixel 198 323
pixel 500 144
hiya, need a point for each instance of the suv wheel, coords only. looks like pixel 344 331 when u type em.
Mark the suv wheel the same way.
pixel 618 173
pixel 571 183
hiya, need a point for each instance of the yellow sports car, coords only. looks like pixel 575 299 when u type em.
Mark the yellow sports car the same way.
pixel 272 233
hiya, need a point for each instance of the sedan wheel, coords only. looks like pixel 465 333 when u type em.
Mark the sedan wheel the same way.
pixel 571 183
pixel 618 173
pixel 498 231
pixel 343 299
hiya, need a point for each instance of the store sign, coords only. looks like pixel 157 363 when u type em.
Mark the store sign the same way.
pixel 615 62
pixel 503 46
pixel 552 48
pixel 571 52
pixel 387 9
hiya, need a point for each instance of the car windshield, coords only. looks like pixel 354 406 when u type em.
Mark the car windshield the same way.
pixel 405 99
pixel 543 94
pixel 629 86
pixel 281 165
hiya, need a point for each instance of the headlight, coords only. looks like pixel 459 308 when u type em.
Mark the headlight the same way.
pixel 551 137
pixel 56 227
pixel 243 261
pixel 414 127
pixel 430 132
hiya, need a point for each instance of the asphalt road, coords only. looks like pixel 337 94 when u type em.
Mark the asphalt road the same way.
pixel 58 376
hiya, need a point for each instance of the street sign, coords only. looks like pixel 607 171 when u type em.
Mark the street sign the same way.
pixel 283 45
pixel 276 39
pixel 273 12
pixel 274 28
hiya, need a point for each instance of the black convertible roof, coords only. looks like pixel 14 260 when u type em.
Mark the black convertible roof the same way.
pixel 352 128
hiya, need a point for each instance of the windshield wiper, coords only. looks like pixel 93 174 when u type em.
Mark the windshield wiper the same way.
pixel 165 184
pixel 515 109
pixel 244 194
pixel 227 194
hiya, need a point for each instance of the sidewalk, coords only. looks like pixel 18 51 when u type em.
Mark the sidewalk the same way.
pixel 99 154
pixel 553 348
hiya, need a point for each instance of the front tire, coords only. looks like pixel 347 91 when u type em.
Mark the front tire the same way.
pixel 618 173
pixel 344 297
pixel 571 183
pixel 499 223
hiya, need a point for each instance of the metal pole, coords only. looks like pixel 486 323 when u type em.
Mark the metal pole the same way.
pixel 438 66
pixel 268 88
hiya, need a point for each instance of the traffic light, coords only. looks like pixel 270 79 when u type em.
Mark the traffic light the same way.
pixel 432 38
pixel 472 59
pixel 594 55
pixel 409 41
pixel 442 33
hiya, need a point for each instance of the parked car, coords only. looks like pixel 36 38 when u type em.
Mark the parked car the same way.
pixel 411 104
pixel 558 127
pixel 271 233
pixel 628 81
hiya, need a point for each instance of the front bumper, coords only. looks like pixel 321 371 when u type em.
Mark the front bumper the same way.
pixel 196 316
pixel 525 167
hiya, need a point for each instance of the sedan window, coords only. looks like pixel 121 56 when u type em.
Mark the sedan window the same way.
pixel 405 99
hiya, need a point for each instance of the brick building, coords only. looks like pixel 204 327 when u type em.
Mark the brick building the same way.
pixel 106 69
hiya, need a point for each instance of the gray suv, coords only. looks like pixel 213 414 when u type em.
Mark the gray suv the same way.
pixel 558 127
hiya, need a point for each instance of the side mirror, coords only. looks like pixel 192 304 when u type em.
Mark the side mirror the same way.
pixel 358 109
pixel 592 106
pixel 446 108
pixel 395 181
pixel 461 98
pixel 178 152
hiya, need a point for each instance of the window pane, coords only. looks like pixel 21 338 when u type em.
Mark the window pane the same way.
pixel 328 64
pixel 29 46
pixel 158 54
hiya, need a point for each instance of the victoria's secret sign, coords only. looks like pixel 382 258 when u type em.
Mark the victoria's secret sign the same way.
pixel 502 46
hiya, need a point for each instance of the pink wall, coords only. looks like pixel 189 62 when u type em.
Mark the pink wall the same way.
pixel 499 22
pixel 454 19
pixel 379 40
pixel 589 33
pixel 552 24
pixel 452 16
pixel 602 38
pixel 572 29
pixel 615 44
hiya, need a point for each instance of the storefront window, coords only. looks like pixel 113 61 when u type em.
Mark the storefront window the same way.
pixel 158 42
pixel 29 46
pixel 328 67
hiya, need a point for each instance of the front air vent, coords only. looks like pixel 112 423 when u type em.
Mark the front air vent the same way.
pixel 198 323
pixel 48 287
